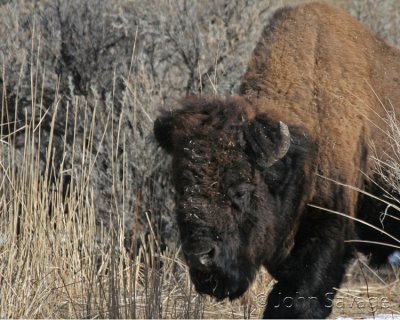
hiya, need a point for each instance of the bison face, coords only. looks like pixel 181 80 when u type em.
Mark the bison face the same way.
pixel 215 213
pixel 226 211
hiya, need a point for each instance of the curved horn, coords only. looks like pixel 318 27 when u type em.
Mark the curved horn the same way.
pixel 283 146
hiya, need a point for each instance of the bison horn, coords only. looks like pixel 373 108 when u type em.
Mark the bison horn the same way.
pixel 268 142
pixel 283 146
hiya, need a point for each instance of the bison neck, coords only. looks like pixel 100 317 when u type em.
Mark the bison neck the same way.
pixel 330 79
pixel 290 184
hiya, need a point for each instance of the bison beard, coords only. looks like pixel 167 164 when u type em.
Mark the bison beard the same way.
pixel 221 283
pixel 214 271
pixel 246 168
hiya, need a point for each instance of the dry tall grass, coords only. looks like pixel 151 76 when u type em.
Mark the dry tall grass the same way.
pixel 57 262
pixel 58 259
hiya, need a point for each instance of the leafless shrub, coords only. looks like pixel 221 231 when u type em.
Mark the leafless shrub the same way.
pixel 121 60
pixel 382 17
pixel 80 174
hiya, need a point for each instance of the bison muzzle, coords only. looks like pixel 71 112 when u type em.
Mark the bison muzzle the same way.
pixel 308 115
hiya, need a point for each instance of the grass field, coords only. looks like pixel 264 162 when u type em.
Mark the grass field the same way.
pixel 82 181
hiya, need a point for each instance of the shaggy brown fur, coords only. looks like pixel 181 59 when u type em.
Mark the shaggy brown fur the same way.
pixel 318 68
pixel 240 205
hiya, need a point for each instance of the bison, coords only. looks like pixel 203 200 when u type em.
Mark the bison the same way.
pixel 308 116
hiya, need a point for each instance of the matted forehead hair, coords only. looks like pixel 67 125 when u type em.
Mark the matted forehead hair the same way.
pixel 200 117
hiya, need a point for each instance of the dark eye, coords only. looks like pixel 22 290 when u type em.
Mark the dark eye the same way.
pixel 275 176
pixel 241 194
pixel 243 189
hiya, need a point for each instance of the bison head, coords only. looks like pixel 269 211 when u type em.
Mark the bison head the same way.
pixel 231 171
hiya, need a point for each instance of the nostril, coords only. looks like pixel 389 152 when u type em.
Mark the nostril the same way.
pixel 206 258
pixel 211 253
pixel 200 256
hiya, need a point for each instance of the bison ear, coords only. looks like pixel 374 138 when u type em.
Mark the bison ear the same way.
pixel 163 130
pixel 266 141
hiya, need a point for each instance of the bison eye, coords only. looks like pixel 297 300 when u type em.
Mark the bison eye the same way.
pixel 240 195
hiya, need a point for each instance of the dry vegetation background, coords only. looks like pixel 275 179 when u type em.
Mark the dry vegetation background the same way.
pixel 86 224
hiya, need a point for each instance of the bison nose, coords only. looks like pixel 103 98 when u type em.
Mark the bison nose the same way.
pixel 203 260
